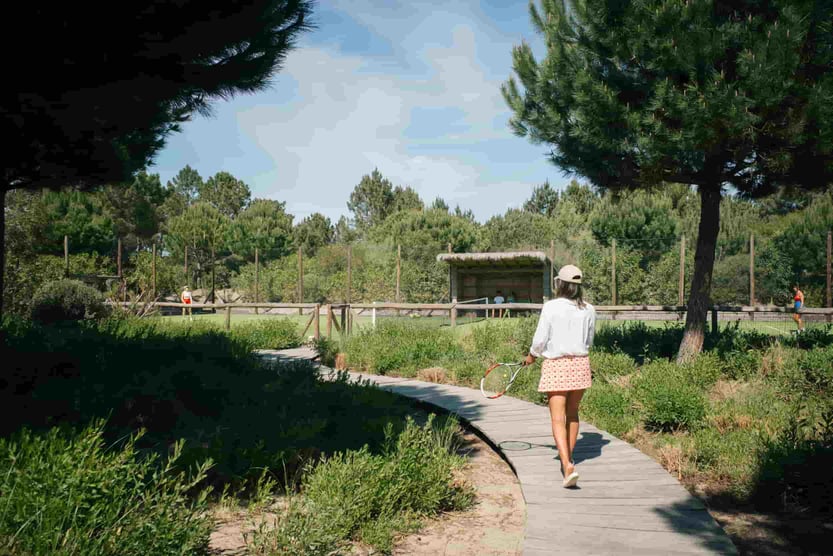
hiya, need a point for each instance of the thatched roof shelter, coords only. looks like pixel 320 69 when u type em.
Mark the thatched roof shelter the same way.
pixel 525 276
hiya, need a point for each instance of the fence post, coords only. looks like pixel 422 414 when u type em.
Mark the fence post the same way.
pixel 317 328
pixel 613 272
pixel 349 271
pixel 829 273
pixel 373 317
pixel 398 269
pixel 118 264
pixel 752 272
pixel 300 280
pixel 453 312
pixel 714 320
pixel 328 308
pixel 213 281
pixel 552 267
pixel 257 280
pixel 228 318
pixel 343 320
pixel 153 273
pixel 66 256
pixel 681 286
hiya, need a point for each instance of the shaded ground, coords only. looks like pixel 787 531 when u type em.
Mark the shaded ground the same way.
pixel 493 526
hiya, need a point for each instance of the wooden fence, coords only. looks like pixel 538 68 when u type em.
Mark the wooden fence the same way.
pixel 341 315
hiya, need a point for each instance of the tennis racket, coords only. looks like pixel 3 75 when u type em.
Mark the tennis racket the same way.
pixel 499 378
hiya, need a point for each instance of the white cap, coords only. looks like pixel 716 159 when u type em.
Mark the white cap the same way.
pixel 570 273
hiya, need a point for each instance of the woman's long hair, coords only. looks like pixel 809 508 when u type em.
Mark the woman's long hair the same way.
pixel 569 290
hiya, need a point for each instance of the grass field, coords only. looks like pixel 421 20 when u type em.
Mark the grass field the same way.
pixel 782 327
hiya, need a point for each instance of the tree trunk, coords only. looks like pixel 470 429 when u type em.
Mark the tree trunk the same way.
pixel 701 282
pixel 2 247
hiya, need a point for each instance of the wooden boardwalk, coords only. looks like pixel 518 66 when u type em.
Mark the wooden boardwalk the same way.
pixel 625 503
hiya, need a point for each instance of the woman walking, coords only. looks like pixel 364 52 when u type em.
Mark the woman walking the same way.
pixel 798 304
pixel 563 338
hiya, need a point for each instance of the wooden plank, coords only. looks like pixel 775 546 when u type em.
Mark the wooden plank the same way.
pixel 656 520
pixel 582 541
pixel 599 490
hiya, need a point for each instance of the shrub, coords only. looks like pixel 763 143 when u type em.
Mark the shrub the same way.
pixel 403 347
pixel 731 339
pixel 640 341
pixel 327 349
pixel 610 408
pixel 357 493
pixel 812 338
pixel 64 493
pixel 799 374
pixel 608 366
pixel 67 300
pixel 273 333
pixel 512 335
pixel 669 398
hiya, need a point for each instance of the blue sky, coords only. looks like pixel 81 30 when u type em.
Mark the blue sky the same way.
pixel 411 88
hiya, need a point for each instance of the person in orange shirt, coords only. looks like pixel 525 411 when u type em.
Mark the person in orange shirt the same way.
pixel 187 298
pixel 798 304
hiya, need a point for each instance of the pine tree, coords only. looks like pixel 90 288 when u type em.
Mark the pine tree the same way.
pixel 99 85
pixel 707 93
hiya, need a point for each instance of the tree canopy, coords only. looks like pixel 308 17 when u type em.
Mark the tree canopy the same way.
pixel 95 104
pixel 639 94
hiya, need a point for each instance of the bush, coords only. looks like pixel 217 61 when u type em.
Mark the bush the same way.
pixel 512 335
pixel 359 494
pixel 669 397
pixel 805 373
pixel 608 366
pixel 65 493
pixel 610 408
pixel 812 338
pixel 273 333
pixel 67 300
pixel 327 349
pixel 639 341
pixel 403 347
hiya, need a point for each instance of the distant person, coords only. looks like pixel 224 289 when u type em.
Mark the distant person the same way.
pixel 798 305
pixel 499 300
pixel 510 299
pixel 187 298
pixel 563 338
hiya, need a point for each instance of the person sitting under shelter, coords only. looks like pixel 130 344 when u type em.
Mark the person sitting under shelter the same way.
pixel 498 300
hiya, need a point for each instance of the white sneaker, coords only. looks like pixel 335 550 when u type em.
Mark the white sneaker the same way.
pixel 570 480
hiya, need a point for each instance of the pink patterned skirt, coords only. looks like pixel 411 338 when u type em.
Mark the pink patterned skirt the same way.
pixel 571 372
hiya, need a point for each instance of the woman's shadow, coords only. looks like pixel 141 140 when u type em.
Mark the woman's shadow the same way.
pixel 588 446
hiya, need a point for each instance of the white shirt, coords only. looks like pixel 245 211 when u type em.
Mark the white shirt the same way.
pixel 564 329
pixel 498 299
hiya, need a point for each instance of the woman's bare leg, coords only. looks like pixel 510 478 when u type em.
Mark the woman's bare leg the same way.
pixel 557 402
pixel 573 401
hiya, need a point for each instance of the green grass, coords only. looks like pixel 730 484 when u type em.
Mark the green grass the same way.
pixel 67 492
pixel 262 427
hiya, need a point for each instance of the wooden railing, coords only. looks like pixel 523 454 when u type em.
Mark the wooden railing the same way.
pixel 340 315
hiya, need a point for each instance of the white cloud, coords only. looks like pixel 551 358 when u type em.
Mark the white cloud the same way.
pixel 347 119
pixel 348 114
